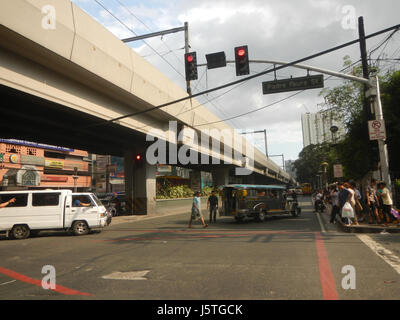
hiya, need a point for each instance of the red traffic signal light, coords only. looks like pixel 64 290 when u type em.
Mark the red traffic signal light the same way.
pixel 242 60
pixel 191 66
pixel 241 52
pixel 189 58
pixel 139 160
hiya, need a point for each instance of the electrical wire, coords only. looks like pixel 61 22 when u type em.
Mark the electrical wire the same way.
pixel 120 21
pixel 245 78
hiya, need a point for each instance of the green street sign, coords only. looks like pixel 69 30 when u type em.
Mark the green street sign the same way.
pixel 293 84
pixel 1 157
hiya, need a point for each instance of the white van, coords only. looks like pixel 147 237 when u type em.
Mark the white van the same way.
pixel 35 210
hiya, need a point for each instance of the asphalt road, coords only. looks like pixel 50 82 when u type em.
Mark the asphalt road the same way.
pixel 161 259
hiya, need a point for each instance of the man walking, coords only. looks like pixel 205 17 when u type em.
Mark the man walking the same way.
pixel 343 196
pixel 212 205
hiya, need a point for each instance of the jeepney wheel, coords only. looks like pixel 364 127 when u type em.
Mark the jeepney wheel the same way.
pixel 80 228
pixel 260 215
pixel 19 232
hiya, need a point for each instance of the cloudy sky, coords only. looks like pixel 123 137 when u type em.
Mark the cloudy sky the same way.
pixel 284 30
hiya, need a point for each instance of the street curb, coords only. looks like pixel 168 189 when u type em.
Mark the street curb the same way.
pixel 367 228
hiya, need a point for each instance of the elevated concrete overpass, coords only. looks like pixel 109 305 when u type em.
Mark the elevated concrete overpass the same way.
pixel 62 86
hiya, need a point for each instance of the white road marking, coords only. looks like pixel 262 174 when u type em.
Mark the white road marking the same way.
pixel 132 275
pixel 385 254
pixel 320 223
pixel 7 282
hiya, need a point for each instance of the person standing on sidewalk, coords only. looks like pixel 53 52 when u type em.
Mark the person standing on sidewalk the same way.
pixel 196 211
pixel 212 205
pixel 387 202
pixel 352 201
pixel 343 196
pixel 372 202
pixel 334 194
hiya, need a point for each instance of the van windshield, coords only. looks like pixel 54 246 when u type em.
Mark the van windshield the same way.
pixel 96 200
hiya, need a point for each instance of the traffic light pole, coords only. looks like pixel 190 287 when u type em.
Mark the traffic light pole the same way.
pixel 186 28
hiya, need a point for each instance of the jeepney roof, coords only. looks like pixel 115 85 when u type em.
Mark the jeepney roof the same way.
pixel 254 186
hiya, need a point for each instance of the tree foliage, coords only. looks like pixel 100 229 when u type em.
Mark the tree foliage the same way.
pixel 355 152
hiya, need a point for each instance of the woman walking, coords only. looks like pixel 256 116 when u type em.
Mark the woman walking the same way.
pixel 196 211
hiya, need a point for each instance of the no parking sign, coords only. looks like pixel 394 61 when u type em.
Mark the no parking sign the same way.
pixel 376 129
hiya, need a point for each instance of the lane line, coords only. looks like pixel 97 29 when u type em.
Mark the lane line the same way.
pixel 26 279
pixel 320 223
pixel 388 256
pixel 327 281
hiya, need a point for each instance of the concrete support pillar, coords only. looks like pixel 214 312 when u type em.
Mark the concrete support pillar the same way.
pixel 140 185
pixel 220 176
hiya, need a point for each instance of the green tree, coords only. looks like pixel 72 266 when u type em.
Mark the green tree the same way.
pixel 390 95
pixel 309 162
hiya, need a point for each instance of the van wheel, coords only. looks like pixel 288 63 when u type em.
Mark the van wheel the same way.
pixel 260 215
pixel 80 228
pixel 20 232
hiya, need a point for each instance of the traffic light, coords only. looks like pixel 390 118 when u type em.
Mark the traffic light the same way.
pixel 139 160
pixel 242 61
pixel 191 66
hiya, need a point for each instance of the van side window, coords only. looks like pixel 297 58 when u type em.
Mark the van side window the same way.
pixel 45 199
pixel 21 199
pixel 81 201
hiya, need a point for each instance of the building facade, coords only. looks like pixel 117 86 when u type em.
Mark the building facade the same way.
pixel 316 127
pixel 30 165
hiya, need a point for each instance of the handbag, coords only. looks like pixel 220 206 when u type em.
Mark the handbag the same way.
pixel 347 211
pixel 394 213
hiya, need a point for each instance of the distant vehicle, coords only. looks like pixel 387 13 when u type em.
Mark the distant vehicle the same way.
pixel 298 191
pixel 306 188
pixel 257 201
pixel 115 203
pixel 36 210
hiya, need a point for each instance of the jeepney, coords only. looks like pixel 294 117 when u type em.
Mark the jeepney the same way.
pixel 257 201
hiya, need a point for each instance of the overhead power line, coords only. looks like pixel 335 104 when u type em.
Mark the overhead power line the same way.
pixel 247 78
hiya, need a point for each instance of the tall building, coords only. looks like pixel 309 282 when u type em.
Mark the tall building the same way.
pixel 289 168
pixel 316 127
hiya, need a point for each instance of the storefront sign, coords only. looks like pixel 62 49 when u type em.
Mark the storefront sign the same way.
pixel 14 158
pixel 54 179
pixel 55 164
pixel 35 145
pixel 32 160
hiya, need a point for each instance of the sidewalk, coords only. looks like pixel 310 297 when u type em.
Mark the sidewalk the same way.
pixel 364 227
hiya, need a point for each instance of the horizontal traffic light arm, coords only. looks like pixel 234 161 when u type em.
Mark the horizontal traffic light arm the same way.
pixel 306 67
pixel 259 74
